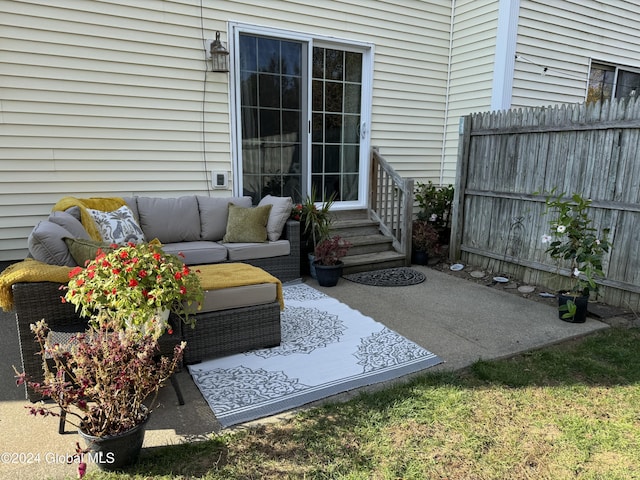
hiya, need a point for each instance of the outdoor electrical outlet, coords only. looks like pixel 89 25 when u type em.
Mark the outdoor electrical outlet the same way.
pixel 219 179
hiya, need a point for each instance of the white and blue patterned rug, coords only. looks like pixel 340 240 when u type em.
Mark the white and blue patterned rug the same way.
pixel 327 348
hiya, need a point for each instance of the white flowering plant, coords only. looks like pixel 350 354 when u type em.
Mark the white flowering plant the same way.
pixel 435 203
pixel 574 242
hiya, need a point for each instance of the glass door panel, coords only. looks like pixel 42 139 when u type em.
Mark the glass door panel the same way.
pixel 271 96
pixel 335 140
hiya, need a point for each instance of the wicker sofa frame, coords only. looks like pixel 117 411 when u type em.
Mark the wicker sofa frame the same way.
pixel 286 268
pixel 216 334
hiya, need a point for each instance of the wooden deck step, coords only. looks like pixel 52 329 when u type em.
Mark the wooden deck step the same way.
pixel 355 227
pixel 372 261
pixel 362 244
pixel 371 250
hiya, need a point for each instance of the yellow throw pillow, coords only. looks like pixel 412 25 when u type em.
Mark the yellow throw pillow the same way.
pixel 247 225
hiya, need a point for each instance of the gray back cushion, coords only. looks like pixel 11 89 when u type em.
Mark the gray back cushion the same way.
pixel 169 220
pixel 132 203
pixel 69 223
pixel 46 244
pixel 213 215
pixel 74 212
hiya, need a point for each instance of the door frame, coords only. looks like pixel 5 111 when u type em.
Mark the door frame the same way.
pixel 367 50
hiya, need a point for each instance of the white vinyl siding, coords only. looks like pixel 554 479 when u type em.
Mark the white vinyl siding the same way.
pixel 410 60
pixel 564 37
pixel 101 98
pixel 472 65
pixel 112 97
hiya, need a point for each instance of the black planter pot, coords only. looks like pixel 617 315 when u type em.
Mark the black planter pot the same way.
pixel 419 257
pixel 305 249
pixel 312 267
pixel 328 275
pixel 581 303
pixel 114 452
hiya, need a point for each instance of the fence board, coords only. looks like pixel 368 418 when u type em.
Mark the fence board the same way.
pixel 507 160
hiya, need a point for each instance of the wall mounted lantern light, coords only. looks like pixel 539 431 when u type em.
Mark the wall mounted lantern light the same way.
pixel 219 55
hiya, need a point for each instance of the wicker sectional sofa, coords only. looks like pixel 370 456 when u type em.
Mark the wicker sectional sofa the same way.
pixel 204 230
pixel 219 332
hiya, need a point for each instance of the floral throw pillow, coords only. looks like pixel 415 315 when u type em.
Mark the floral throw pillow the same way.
pixel 118 226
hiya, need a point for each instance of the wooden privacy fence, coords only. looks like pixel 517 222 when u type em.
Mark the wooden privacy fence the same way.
pixel 507 160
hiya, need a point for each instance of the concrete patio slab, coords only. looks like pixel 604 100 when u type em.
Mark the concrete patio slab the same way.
pixel 460 321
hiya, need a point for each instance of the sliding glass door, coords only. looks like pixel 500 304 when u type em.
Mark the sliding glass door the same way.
pixel 299 117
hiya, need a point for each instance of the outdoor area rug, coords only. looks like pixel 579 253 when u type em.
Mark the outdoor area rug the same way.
pixel 388 277
pixel 327 348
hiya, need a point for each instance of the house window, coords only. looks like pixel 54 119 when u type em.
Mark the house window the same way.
pixel 612 81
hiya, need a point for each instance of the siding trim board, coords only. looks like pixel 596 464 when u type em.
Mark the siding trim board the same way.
pixel 505 54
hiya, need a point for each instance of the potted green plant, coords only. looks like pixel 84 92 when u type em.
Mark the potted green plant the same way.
pixel 315 221
pixel 575 244
pixel 425 241
pixel 327 259
pixel 105 382
pixel 435 205
pixel 137 284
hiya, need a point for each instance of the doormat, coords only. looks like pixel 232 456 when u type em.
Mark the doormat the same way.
pixel 389 277
pixel 327 348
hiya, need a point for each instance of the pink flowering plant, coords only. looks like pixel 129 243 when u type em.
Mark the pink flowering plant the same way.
pixel 424 237
pixel 133 284
pixel 101 379
pixel 331 250
pixel 574 243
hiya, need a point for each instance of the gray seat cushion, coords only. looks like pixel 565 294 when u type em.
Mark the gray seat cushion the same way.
pixel 249 251
pixel 236 297
pixel 197 253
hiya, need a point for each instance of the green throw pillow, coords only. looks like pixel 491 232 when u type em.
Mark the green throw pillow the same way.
pixel 83 250
pixel 247 225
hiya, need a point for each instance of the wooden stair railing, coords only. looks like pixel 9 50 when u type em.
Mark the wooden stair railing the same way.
pixel 391 203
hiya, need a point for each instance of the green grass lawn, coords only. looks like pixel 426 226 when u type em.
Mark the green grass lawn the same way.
pixel 571 411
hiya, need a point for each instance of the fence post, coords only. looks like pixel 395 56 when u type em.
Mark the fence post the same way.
pixel 457 213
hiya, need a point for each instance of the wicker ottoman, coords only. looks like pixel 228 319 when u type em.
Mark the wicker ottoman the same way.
pixel 242 316
pixel 236 330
